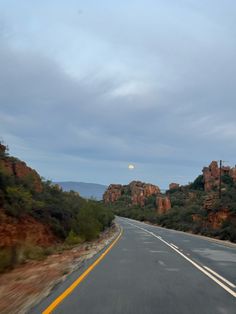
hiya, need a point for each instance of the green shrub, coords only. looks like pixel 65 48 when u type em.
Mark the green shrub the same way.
pixel 73 238
pixel 227 179
pixel 19 200
pixel 198 183
pixel 88 226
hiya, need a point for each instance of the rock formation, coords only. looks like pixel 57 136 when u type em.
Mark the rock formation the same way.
pixel 211 175
pixel 19 169
pixel 163 204
pixel 214 220
pixel 141 191
pixel 138 191
pixel 113 193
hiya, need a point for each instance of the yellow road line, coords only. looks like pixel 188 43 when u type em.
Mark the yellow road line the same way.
pixel 65 294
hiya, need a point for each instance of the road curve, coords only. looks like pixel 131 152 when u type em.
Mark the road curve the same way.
pixel 153 270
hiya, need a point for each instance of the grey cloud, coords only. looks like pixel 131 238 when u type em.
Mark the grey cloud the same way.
pixel 172 104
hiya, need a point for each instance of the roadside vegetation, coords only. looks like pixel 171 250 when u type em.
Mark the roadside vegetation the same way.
pixel 187 212
pixel 71 218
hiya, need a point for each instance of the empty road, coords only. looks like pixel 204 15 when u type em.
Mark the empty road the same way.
pixel 153 270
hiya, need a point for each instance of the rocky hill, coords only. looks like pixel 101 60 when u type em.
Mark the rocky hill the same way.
pixel 35 214
pixel 18 169
pixel 197 207
pixel 211 175
pixel 137 193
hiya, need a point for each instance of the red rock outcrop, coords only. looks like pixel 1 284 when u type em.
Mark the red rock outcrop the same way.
pixel 163 204
pixel 138 191
pixel 211 175
pixel 24 230
pixel 173 186
pixel 113 193
pixel 216 219
pixel 141 191
pixel 19 169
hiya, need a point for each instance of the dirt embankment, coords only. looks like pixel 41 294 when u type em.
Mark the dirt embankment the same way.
pixel 26 285
pixel 14 232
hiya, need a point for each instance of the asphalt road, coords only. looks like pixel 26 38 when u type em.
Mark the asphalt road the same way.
pixel 154 270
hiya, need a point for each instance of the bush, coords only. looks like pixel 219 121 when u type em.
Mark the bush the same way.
pixel 88 226
pixel 228 231
pixel 19 201
pixel 73 238
pixel 198 183
pixel 228 180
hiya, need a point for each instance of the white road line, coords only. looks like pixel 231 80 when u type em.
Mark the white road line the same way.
pixel 174 245
pixel 221 284
pixel 219 276
pixel 153 251
pixel 172 269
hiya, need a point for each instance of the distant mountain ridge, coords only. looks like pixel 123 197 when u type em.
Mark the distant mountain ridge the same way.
pixel 87 190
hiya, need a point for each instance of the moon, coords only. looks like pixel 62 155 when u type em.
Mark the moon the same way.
pixel 131 167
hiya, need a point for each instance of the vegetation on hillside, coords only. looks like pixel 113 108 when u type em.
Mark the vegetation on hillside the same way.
pixel 71 218
pixel 187 212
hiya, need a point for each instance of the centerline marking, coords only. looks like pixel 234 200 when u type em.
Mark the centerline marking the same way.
pixel 219 276
pixel 174 245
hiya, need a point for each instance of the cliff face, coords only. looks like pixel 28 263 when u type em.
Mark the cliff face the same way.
pixel 141 191
pixel 211 175
pixel 138 192
pixel 19 169
pixel 113 193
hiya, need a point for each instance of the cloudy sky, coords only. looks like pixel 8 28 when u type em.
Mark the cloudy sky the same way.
pixel 87 87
